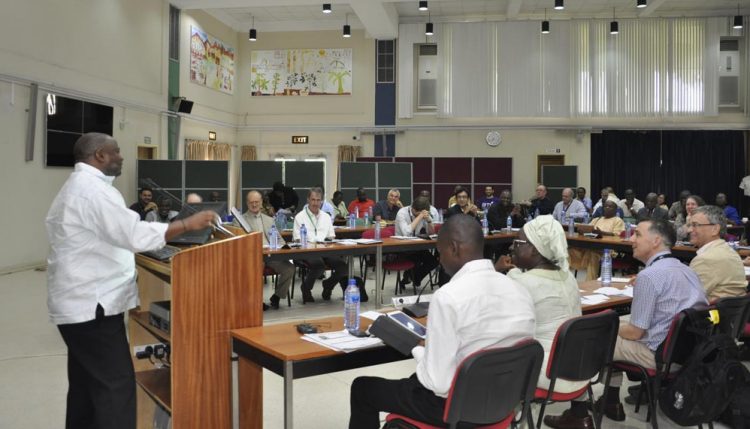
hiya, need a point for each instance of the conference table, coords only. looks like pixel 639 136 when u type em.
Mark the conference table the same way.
pixel 280 349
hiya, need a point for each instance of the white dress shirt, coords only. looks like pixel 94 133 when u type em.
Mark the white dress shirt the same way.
pixel 477 309
pixel 319 227
pixel 92 236
pixel 574 209
pixel 404 218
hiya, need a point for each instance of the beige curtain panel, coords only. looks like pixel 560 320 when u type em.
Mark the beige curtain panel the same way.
pixel 249 153
pixel 205 150
pixel 349 153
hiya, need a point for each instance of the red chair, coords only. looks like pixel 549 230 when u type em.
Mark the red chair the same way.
pixel 390 262
pixel 582 348
pixel 675 349
pixel 487 387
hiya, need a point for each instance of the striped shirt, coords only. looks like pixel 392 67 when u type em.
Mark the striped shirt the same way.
pixel 664 288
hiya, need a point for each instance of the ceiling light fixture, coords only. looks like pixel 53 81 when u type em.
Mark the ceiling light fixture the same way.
pixel 737 19
pixel 423 5
pixel 641 4
pixel 253 36
pixel 559 5
pixel 326 8
pixel 614 27
pixel 347 29
pixel 428 30
pixel 545 23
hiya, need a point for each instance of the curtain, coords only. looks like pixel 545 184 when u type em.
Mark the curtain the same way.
pixel 705 162
pixel 206 150
pixel 349 153
pixel 249 153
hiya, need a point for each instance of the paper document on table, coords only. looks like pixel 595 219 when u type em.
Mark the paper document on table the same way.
pixel 617 279
pixel 342 341
pixel 593 299
pixel 609 291
pixel 346 242
pixel 372 315
pixel 404 237
pixel 367 241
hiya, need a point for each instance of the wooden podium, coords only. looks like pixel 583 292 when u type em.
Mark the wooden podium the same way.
pixel 213 288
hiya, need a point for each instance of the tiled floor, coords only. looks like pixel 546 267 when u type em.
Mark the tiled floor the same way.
pixel 33 365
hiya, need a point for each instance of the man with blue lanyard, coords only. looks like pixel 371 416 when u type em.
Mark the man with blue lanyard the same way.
pixel 568 208
pixel 319 227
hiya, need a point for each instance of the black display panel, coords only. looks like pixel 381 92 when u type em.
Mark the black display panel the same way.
pixel 67 119
pixel 59 151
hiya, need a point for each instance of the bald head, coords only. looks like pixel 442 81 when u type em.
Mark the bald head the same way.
pixel 460 241
pixel 99 151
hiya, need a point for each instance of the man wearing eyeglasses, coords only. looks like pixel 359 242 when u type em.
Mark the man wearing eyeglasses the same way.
pixel 718 265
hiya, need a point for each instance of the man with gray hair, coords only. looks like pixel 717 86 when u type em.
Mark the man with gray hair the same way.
pixel 569 208
pixel 718 265
pixel 388 209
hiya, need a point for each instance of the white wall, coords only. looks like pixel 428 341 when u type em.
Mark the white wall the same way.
pixel 108 51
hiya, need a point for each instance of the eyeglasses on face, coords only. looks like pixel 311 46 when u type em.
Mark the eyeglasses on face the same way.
pixel 696 224
pixel 517 242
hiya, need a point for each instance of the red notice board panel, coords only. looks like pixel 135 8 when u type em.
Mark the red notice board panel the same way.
pixel 453 170
pixel 493 170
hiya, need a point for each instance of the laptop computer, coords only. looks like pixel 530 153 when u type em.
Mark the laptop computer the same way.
pixel 200 236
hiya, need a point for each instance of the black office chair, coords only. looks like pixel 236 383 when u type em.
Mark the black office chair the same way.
pixel 487 388
pixel 733 315
pixel 583 347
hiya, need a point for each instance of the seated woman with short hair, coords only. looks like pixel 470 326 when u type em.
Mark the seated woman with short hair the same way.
pixel 540 255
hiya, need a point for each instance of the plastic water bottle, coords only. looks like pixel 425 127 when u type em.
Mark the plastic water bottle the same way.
pixel 303 235
pixel 509 223
pixel 367 219
pixel 273 238
pixel 280 221
pixel 352 220
pixel 586 217
pixel 356 212
pixel 351 306
pixel 377 230
pixel 571 227
pixel 485 227
pixel 536 213
pixel 628 230
pixel 607 268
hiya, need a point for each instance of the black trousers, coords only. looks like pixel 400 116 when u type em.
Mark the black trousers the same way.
pixel 101 378
pixel 316 267
pixel 371 395
pixel 424 263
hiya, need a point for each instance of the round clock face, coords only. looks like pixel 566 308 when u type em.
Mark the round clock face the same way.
pixel 494 138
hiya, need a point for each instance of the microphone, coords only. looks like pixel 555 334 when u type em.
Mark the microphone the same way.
pixel 418 309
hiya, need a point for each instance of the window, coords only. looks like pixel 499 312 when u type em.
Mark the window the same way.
pixel 386 61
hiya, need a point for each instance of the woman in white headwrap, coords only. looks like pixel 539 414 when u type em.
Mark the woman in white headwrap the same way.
pixel 540 257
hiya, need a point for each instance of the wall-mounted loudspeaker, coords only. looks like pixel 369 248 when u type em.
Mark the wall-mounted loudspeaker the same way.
pixel 182 105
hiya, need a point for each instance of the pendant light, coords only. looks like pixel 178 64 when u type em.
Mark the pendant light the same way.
pixel 253 35
pixel 347 29
pixel 545 23
pixel 737 19
pixel 614 27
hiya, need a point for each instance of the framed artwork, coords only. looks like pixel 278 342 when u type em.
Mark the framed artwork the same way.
pixel 211 61
pixel 301 72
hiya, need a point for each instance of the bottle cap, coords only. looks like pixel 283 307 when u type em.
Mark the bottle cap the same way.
pixel 353 281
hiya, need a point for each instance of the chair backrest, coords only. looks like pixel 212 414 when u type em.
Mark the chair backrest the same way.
pixel 733 314
pixel 583 346
pixel 688 328
pixel 384 232
pixel 490 383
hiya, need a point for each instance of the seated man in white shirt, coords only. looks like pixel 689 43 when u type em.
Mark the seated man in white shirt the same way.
pixel 569 208
pixel 433 211
pixel 164 214
pixel 630 205
pixel 411 221
pixel 319 227
pixel 453 331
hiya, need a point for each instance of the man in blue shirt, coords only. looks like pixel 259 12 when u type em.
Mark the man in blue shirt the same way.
pixel 730 212
pixel 488 200
pixel 664 288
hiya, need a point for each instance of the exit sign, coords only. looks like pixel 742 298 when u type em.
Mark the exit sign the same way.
pixel 299 139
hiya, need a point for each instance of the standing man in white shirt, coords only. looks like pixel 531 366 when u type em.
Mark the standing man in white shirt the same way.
pixel 91 282
pixel 479 308
pixel 319 227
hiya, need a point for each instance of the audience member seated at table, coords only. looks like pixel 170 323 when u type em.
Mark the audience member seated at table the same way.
pixel 453 331
pixel 589 259
pixel 569 208
pixel 691 203
pixel 651 210
pixel 434 214
pixel 339 207
pixel 586 201
pixel 540 265
pixel 193 198
pixel 630 205
pixel 463 205
pixel 606 196
pixel 388 208
pixel 678 206
pixel 262 223
pixel 452 199
pixel 730 212
pixel 145 203
pixel 718 266
pixel 283 198
pixel 361 204
pixel 326 206
pixel 488 200
pixel 540 204
pixel 497 215
pixel 267 209
pixel 319 227
pixel 164 213
pixel 662 289
pixel 661 199
pixel 411 221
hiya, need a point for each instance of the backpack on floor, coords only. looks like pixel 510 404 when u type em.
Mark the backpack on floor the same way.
pixel 706 384
pixel 737 414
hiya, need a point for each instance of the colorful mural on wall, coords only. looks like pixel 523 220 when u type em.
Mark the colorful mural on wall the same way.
pixel 211 61
pixel 301 72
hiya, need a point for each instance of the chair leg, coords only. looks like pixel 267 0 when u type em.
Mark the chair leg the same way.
pixel 540 417
pixel 398 282
pixel 529 418
pixel 641 388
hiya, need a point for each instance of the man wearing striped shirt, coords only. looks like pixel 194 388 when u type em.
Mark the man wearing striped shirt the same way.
pixel 663 289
